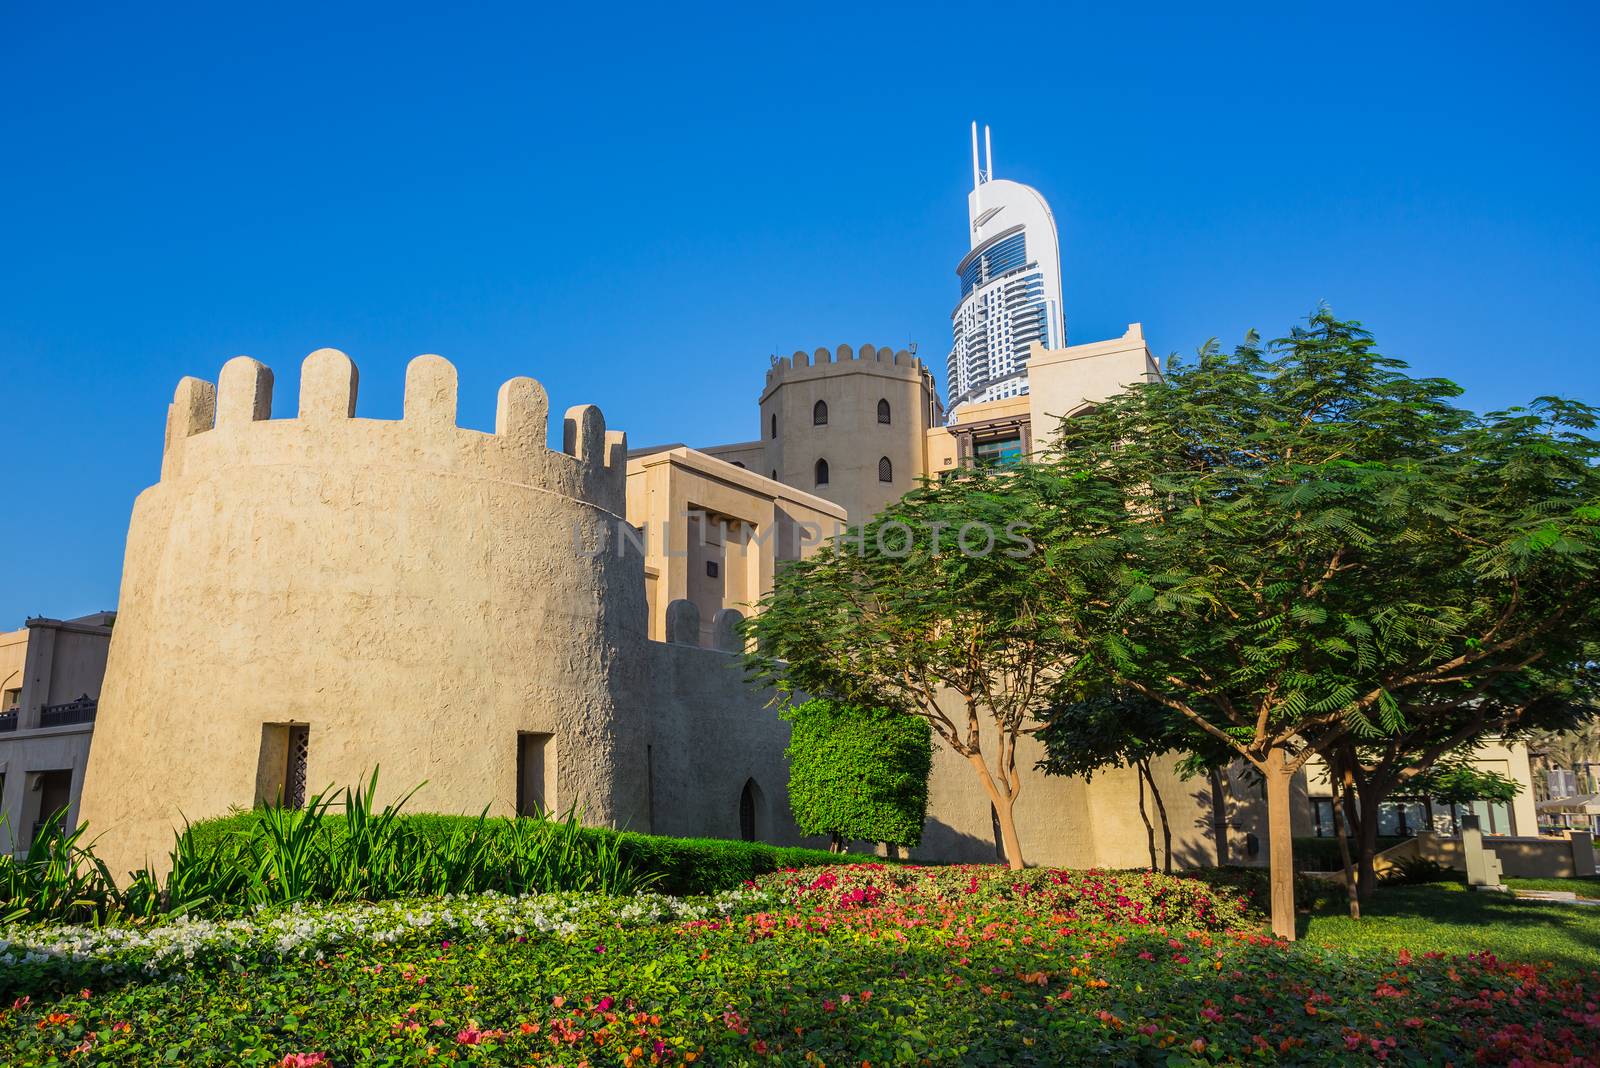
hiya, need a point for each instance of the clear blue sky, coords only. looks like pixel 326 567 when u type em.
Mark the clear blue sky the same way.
pixel 638 206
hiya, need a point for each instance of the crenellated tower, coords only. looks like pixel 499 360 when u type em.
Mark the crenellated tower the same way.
pixel 305 598
pixel 856 418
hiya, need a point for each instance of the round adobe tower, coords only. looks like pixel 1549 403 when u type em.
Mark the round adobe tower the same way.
pixel 305 598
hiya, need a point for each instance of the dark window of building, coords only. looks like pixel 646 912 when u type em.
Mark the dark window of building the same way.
pixel 885 470
pixel 774 474
pixel 738 463
pixel 533 759
pixel 819 413
pixel 822 472
pixel 711 569
pixel 774 424
pixel 747 810
pixel 55 795
pixel 883 411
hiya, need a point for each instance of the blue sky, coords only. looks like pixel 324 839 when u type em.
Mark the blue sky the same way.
pixel 638 206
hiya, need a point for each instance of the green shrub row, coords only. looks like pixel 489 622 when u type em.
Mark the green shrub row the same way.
pixel 679 866
pixel 341 848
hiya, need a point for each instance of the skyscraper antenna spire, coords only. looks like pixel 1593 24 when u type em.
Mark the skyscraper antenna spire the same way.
pixel 988 156
pixel 977 178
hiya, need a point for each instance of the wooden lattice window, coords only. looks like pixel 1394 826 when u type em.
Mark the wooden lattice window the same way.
pixel 294 793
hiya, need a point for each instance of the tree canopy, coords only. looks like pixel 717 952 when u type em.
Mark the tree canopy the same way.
pixel 1315 546
pixel 943 607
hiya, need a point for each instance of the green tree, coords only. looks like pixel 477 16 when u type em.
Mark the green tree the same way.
pixel 1305 538
pixel 1420 754
pixel 858 773
pixel 940 607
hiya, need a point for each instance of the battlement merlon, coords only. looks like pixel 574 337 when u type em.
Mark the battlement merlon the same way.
pixel 230 424
pixel 886 361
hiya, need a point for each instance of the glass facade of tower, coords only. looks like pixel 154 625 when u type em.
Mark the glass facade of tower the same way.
pixel 1005 308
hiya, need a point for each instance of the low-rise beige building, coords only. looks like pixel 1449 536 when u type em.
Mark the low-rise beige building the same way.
pixel 713 532
pixel 1409 815
pixel 50 677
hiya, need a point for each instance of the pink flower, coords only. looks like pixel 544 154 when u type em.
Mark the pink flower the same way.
pixel 303 1060
pixel 605 1004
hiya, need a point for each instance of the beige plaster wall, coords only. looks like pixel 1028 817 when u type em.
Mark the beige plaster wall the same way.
pixel 1067 822
pixel 692 508
pixel 409 589
pixel 1061 382
pixel 751 455
pixel 710 732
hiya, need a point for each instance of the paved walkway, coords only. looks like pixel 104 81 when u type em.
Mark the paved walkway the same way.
pixel 1566 897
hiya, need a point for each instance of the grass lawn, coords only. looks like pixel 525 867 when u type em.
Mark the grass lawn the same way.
pixel 1449 918
pixel 835 966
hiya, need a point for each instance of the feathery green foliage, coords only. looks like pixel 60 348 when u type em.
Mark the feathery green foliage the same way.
pixel 1314 548
pixel 939 607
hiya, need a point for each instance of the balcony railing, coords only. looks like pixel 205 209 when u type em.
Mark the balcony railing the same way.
pixel 79 711
pixel 8 719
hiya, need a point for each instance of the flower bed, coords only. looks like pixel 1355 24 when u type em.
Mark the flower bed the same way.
pixel 836 966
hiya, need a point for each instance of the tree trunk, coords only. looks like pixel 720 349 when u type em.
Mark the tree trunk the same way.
pixel 1367 840
pixel 1002 802
pixel 1149 828
pixel 1341 787
pixel 1280 842
pixel 1166 827
pixel 835 843
pixel 1008 834
pixel 892 850
pixel 1219 816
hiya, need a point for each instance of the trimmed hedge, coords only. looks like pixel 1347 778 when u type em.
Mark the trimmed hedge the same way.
pixel 686 865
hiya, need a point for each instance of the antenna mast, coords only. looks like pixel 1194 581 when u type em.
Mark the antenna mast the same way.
pixel 977 179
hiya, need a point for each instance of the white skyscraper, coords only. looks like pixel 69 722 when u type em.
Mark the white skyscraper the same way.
pixel 1010 287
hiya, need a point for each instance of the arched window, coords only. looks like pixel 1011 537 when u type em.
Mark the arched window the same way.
pixel 822 472
pixel 774 474
pixel 819 413
pixel 774 424
pixel 749 802
pixel 883 411
pixel 885 470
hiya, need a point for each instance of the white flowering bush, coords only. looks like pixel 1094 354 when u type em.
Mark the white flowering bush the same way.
pixel 30 953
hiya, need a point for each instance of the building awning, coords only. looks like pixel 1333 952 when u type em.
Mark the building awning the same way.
pixel 1585 803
